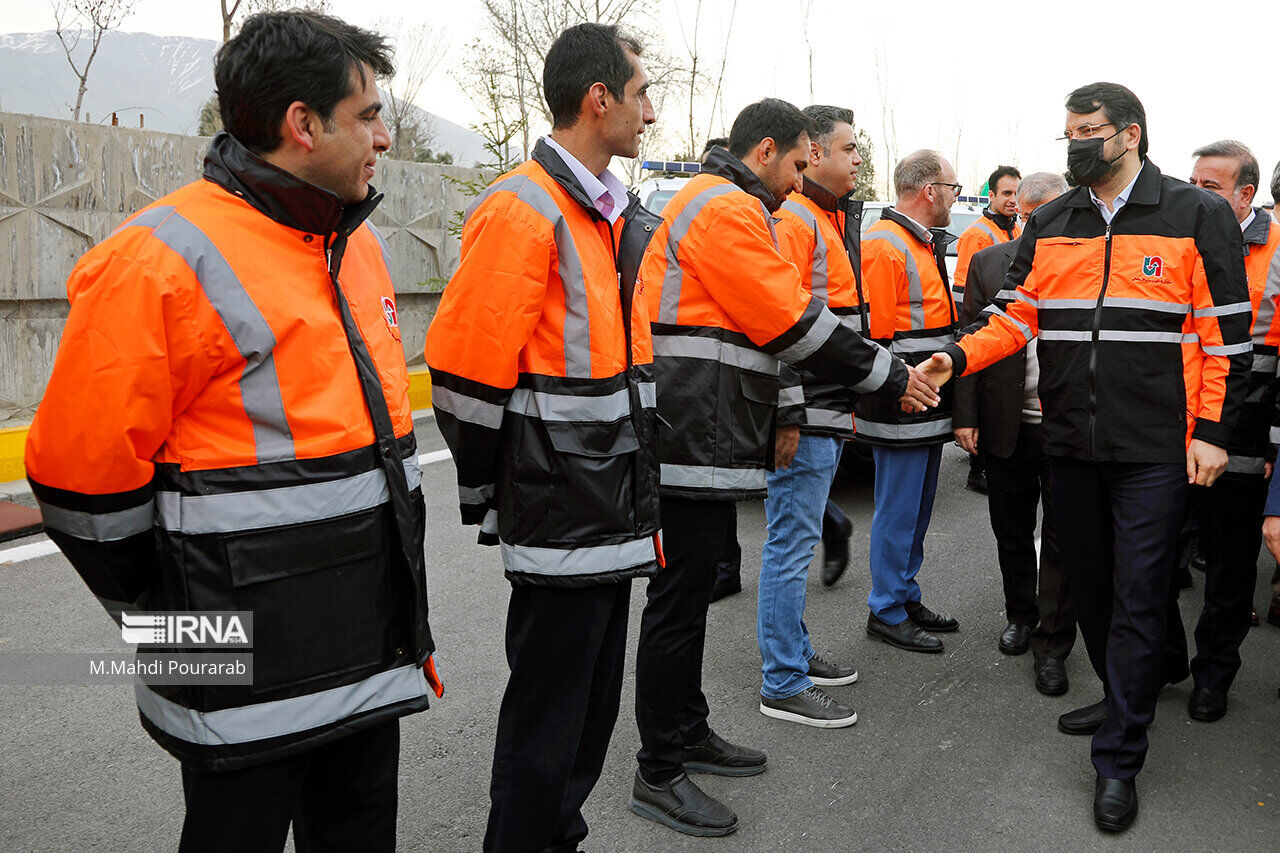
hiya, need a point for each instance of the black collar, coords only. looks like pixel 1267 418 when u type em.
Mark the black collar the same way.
pixel 1005 223
pixel 821 196
pixel 721 162
pixel 924 235
pixel 555 166
pixel 280 195
pixel 1259 229
pixel 1146 189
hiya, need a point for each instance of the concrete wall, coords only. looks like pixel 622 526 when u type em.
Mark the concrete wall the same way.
pixel 65 185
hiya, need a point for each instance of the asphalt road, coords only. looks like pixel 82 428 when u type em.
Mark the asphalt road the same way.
pixel 951 752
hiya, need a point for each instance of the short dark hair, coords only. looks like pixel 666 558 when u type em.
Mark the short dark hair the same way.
pixel 825 118
pixel 580 57
pixel 281 57
pixel 1121 107
pixel 772 118
pixel 1275 184
pixel 716 142
pixel 1248 172
pixel 1001 172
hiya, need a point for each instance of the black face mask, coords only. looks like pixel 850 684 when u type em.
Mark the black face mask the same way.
pixel 1085 160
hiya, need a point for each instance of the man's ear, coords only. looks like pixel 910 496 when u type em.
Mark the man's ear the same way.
pixel 766 149
pixel 815 154
pixel 301 125
pixel 1247 192
pixel 597 99
pixel 1133 135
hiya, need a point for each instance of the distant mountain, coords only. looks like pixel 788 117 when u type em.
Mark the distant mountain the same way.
pixel 167 78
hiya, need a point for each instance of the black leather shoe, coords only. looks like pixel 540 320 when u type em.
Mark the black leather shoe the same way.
pixel 1051 677
pixel 1015 639
pixel 717 756
pixel 928 620
pixel 905 635
pixel 1115 804
pixel 835 559
pixel 1083 721
pixel 1196 561
pixel 726 585
pixel 683 806
pixel 1206 705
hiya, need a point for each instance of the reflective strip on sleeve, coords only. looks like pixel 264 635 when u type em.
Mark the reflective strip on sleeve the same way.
pixel 1224 310
pixel 879 372
pixel 570 407
pixel 470 409
pixel 490 522
pixel 1275 434
pixel 930 344
pixel 1264 363
pixel 823 325
pixel 713 349
pixel 791 396
pixel 827 419
pixel 1228 349
pixel 230 512
pixel 710 477
pixel 1006 294
pixel 1246 465
pixel 648 394
pixel 904 432
pixel 280 717
pixel 669 306
pixel 819 278
pixel 99 526
pixel 590 560
pixel 472 496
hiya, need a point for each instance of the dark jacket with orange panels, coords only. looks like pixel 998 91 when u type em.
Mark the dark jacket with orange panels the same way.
pixel 991 229
pixel 227 427
pixel 1143 324
pixel 812 234
pixel 910 312
pixel 542 368
pixel 726 308
pixel 1251 442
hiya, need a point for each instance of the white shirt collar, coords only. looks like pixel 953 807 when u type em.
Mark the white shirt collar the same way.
pixel 1248 220
pixel 596 186
pixel 1121 200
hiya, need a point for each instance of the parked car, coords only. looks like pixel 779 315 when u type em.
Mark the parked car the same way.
pixel 964 213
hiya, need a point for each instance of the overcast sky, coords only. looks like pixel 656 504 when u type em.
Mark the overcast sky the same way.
pixel 981 82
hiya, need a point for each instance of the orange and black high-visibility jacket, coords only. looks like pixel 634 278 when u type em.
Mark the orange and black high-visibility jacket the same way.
pixel 990 229
pixel 812 234
pixel 542 368
pixel 1143 324
pixel 904 274
pixel 227 427
pixel 727 307
pixel 1251 446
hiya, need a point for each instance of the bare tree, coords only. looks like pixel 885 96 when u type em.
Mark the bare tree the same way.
pixel 887 124
pixel 806 11
pixel 696 82
pixel 252 7
pixel 420 49
pixel 228 14
pixel 71 19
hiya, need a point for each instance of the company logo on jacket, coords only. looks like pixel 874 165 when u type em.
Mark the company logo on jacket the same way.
pixel 389 309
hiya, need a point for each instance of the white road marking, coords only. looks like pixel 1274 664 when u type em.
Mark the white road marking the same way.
pixel 43 547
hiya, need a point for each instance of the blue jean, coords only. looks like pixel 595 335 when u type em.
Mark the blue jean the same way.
pixel 906 481
pixel 797 497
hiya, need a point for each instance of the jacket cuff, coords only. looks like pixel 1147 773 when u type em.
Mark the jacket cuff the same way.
pixel 1212 432
pixel 959 361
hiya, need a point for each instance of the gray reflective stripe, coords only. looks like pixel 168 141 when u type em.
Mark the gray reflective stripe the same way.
pixel 669 306
pixel 1116 335
pixel 577 325
pixel 470 409
pixel 823 326
pixel 879 372
pixel 1065 335
pixel 1265 363
pixel 769 223
pixel 710 477
pixel 1224 310
pixel 1267 307
pixel 469 495
pixel 929 344
pixel 490 522
pixel 1275 434
pixel 149 218
pixel 1030 300
pixel 1006 294
pixel 281 717
pixel 1228 349
pixel 712 349
pixel 1149 304
pixel 259 384
pixel 915 288
pixel 648 394
pixel 1050 304
pixel 818 283
pixel 990 227
pixel 382 244
pixel 230 512
pixel 1022 327
pixel 828 419
pixel 903 432
pixel 412 472
pixel 99 526
pixel 792 395
pixel 1246 465
pixel 570 407
pixel 589 560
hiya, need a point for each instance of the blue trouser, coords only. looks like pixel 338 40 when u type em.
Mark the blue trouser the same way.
pixel 794 507
pixel 1118 527
pixel 906 481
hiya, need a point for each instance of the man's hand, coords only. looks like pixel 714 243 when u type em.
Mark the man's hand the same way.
pixel 1267 469
pixel 784 449
pixel 968 439
pixel 921 394
pixel 1205 462
pixel 1271 534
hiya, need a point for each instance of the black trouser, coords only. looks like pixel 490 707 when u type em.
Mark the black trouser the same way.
pixel 670 708
pixel 566 649
pixel 729 565
pixel 1015 485
pixel 340 796
pixel 835 524
pixel 1118 526
pixel 1230 514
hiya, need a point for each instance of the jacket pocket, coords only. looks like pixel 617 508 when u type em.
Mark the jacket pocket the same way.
pixel 593 493
pixel 755 412
pixel 325 599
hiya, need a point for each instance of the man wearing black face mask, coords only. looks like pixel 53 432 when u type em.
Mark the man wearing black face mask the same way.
pixel 1134 285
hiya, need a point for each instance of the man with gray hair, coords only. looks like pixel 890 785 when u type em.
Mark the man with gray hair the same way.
pixel 910 311
pixel 1231 511
pixel 997 411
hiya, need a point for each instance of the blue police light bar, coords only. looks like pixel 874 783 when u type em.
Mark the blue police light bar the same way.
pixel 974 199
pixel 671 166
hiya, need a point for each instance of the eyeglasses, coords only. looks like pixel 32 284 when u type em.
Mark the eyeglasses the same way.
pixel 955 188
pixel 1084 131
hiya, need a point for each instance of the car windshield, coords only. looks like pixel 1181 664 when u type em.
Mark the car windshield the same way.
pixel 960 220
pixel 658 199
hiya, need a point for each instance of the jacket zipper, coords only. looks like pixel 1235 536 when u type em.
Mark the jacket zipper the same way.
pixel 1093 351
